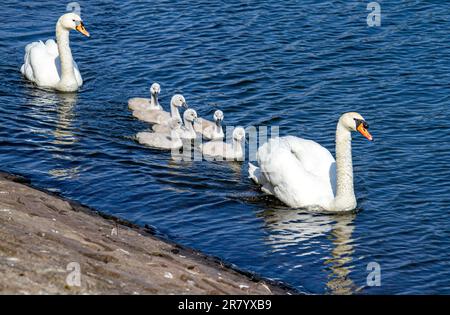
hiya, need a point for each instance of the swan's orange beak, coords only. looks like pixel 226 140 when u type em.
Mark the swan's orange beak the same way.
pixel 80 28
pixel 362 130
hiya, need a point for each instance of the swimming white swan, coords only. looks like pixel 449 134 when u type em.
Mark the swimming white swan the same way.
pixel 160 116
pixel 226 151
pixel 152 103
pixel 165 141
pixel 211 130
pixel 302 173
pixel 185 132
pixel 51 65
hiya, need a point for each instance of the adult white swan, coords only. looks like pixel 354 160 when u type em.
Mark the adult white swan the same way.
pixel 152 103
pixel 160 116
pixel 302 173
pixel 51 65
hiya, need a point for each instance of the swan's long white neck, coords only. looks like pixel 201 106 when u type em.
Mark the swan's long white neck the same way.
pixel 174 113
pixel 218 128
pixel 237 147
pixel 67 80
pixel 345 196
pixel 188 125
pixel 154 100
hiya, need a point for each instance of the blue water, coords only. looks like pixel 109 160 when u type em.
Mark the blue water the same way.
pixel 293 64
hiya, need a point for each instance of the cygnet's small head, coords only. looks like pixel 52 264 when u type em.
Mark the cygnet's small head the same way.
pixel 175 123
pixel 155 89
pixel 72 21
pixel 355 122
pixel 218 117
pixel 239 134
pixel 178 101
pixel 190 115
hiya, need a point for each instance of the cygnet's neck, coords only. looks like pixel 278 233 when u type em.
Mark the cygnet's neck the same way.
pixel 218 128
pixel 174 113
pixel 189 128
pixel 237 147
pixel 154 100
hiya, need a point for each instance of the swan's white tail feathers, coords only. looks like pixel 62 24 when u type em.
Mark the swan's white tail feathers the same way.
pixel 26 68
pixel 253 172
pixel 268 189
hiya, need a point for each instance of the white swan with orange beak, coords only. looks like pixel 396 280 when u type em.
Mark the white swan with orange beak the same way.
pixel 51 65
pixel 303 174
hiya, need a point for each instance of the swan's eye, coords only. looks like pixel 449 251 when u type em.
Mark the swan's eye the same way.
pixel 360 121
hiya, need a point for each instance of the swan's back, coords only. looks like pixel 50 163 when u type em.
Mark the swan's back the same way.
pixel 202 124
pixel 314 157
pixel 208 129
pixel 142 103
pixel 215 148
pixel 138 103
pixel 42 65
pixel 221 150
pixel 152 116
pixel 301 171
pixel 164 128
pixel 158 140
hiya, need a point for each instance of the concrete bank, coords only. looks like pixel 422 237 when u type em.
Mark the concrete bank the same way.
pixel 51 245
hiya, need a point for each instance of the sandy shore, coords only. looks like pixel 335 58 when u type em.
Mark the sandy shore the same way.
pixel 51 245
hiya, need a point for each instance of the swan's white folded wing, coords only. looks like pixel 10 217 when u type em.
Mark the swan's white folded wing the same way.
pixel 40 64
pixel 152 116
pixel 298 169
pixel 315 158
pixel 26 69
pixel 201 124
pixel 255 174
pixel 161 128
pixel 52 48
pixel 77 74
pixel 138 103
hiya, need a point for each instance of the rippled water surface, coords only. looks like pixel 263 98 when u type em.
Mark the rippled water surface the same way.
pixel 293 64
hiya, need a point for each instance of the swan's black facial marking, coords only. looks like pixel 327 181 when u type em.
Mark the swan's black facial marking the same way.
pixel 361 127
pixel 79 26
pixel 361 121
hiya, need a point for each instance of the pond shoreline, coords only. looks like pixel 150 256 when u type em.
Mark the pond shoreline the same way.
pixel 52 245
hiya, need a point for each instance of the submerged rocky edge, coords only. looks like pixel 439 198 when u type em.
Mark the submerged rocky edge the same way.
pixel 52 245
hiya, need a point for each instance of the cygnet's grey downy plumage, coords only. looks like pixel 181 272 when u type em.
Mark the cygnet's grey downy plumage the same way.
pixel 187 131
pixel 226 151
pixel 164 141
pixel 152 103
pixel 211 130
pixel 160 116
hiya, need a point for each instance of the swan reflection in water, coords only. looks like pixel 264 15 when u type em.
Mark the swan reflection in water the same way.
pixel 298 228
pixel 44 105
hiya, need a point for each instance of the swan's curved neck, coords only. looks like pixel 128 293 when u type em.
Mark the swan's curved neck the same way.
pixel 345 196
pixel 65 55
pixel 174 113
pixel 237 147
pixel 218 128
pixel 154 100
pixel 188 125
